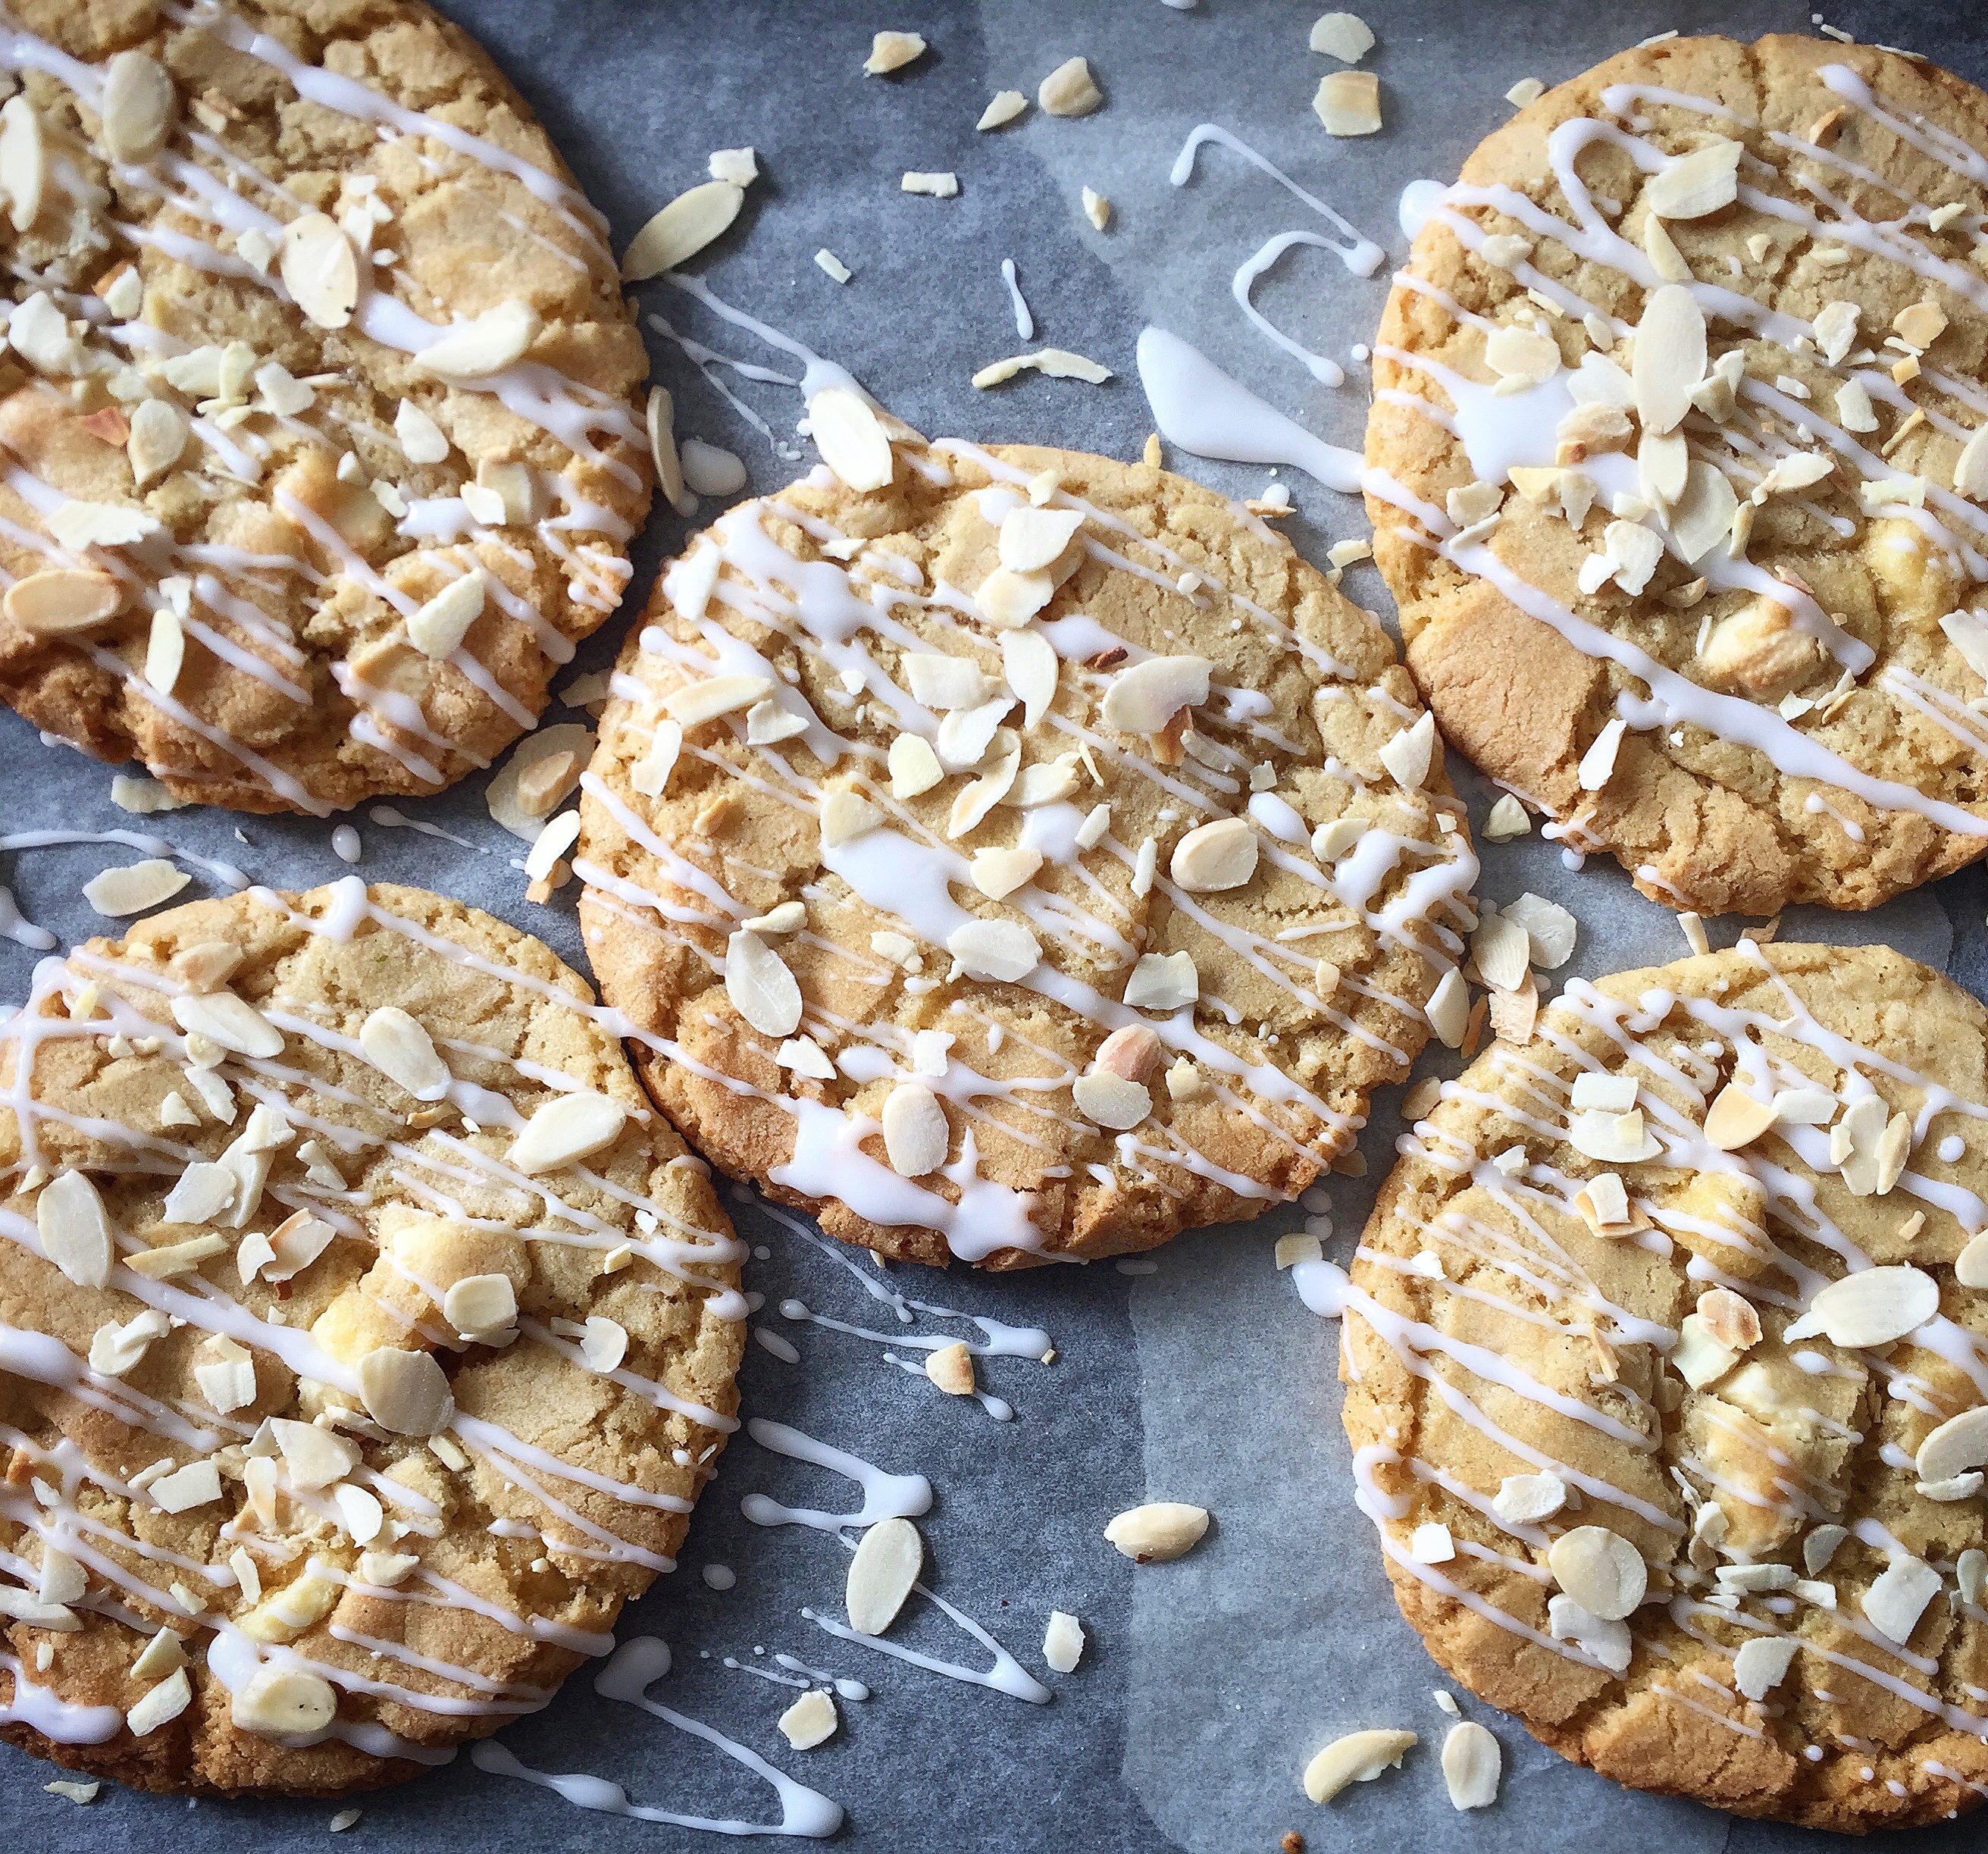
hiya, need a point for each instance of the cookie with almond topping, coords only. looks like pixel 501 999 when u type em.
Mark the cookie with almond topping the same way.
pixel 1666 1358
pixel 1679 477
pixel 319 404
pixel 1026 856
pixel 366 1338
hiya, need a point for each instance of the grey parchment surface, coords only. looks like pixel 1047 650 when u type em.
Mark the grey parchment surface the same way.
pixel 1207 1683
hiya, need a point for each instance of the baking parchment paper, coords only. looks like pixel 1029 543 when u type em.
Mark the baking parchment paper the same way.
pixel 1206 1683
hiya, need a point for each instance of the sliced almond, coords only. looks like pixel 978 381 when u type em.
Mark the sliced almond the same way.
pixel 1144 698
pixel 134 887
pixel 681 229
pixel 483 345
pixel 1669 358
pixel 892 51
pixel 1762 1664
pixel 916 1137
pixel 709 697
pixel 761 988
pixel 1070 89
pixel 1032 538
pixel 994 949
pixel 281 1702
pixel 24 164
pixel 157 440
pixel 812 1720
pixel 1473 1762
pixel 1957 1445
pixel 138 107
pixel 1600 1570
pixel 888 1560
pixel 1216 856
pixel 1737 1119
pixel 74 1229
pixel 399 1045
pixel 1002 108
pixel 1697 183
pixel 1358 1757
pixel 566 1129
pixel 1160 1530
pixel 320 269
pixel 1898 1596
pixel 1062 1641
pixel 850 439
pixel 407 1393
pixel 62 601
pixel 1873 1307
pixel 315 1456
pixel 1348 103
pixel 231 1021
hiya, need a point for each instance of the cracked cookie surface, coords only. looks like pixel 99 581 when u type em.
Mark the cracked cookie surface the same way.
pixel 319 404
pixel 1666 1350
pixel 1006 862
pixel 367 1338
pixel 1675 468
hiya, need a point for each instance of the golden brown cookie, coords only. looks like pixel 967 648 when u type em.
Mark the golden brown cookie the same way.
pixel 1676 468
pixel 318 405
pixel 1667 1357
pixel 365 1338
pixel 1031 856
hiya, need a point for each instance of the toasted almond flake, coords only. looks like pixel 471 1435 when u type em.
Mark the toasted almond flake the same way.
pixel 1159 1531
pixel 437 628
pixel 1348 103
pixel 1508 820
pixel 1695 184
pixel 938 186
pixel 1473 1762
pixel 1872 1307
pixel 1736 1118
pixel 950 1367
pixel 994 949
pixel 681 229
pixel 1057 363
pixel 1670 357
pixel 888 1560
pixel 1601 1570
pixel 558 836
pixel 998 873
pixel 1143 699
pixel 1358 1757
pixel 1070 89
pixel 1762 1664
pixel 483 345
pixel 850 439
pixel 1008 600
pixel 1898 1596
pixel 60 601
pixel 1448 1009
pixel 135 886
pixel 1216 856
pixel 1522 357
pixel 407 1393
pixel 892 51
pixel 812 1720
pixel 566 1129
pixel 280 1702
pixel 1523 1499
pixel 1002 108
pixel 1668 261
pixel 158 1704
pixel 320 269
pixel 1032 538
pixel 1970 1267
pixel 661 424
pixel 761 988
pixel 916 1136
pixel 1345 36
pixel 1111 1100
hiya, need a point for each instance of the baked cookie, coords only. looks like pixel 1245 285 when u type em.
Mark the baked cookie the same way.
pixel 365 1338
pixel 317 408
pixel 1675 463
pixel 1667 1350
pixel 1031 857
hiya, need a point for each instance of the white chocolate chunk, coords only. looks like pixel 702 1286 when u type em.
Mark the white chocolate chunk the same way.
pixel 281 1702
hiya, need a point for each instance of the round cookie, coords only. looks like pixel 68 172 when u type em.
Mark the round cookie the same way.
pixel 361 1326
pixel 318 416
pixel 1007 863
pixel 1676 1457
pixel 1643 452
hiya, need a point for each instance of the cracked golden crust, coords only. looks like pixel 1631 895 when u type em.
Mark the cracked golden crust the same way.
pixel 353 1296
pixel 1701 821
pixel 467 237
pixel 716 1079
pixel 1710 1744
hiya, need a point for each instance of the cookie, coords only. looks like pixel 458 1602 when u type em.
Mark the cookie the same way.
pixel 318 408
pixel 1029 858
pixel 1666 1349
pixel 365 1339
pixel 1675 464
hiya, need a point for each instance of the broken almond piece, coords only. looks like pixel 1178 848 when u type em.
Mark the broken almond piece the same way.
pixel 1348 103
